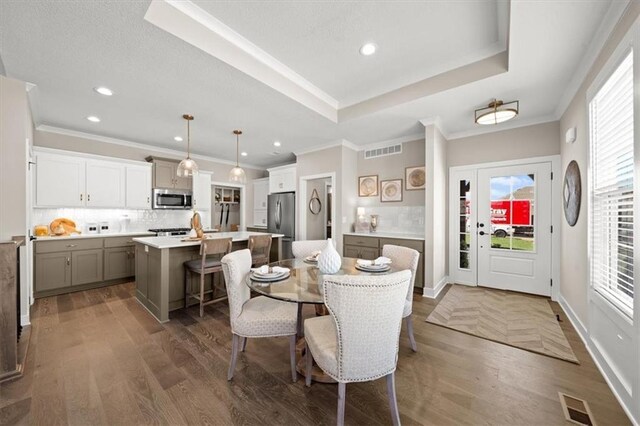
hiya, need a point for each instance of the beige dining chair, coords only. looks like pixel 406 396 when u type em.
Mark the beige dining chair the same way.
pixel 302 249
pixel 255 317
pixel 209 263
pixel 359 341
pixel 405 258
pixel 260 248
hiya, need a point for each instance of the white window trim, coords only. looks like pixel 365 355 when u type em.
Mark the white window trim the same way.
pixel 630 41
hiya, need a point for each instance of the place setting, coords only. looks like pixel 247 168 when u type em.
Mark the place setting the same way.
pixel 381 264
pixel 268 274
pixel 313 257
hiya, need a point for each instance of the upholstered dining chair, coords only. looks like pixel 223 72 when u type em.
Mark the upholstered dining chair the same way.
pixel 302 249
pixel 359 341
pixel 255 317
pixel 405 258
pixel 260 248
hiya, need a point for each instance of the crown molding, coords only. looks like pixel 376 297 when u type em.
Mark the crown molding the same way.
pixel 514 124
pixel 607 25
pixel 137 145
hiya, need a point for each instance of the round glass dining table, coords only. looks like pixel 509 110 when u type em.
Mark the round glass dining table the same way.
pixel 305 282
pixel 304 285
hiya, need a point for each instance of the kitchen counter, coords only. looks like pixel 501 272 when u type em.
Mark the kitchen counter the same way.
pixel 398 235
pixel 160 273
pixel 176 241
pixel 80 236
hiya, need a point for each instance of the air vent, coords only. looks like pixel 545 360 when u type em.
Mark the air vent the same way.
pixel 576 410
pixel 383 151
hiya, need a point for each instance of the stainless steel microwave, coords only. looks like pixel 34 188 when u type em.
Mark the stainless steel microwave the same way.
pixel 175 199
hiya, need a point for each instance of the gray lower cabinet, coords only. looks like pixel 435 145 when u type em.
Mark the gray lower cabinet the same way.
pixel 86 266
pixel 119 262
pixel 53 271
pixel 72 264
pixel 361 252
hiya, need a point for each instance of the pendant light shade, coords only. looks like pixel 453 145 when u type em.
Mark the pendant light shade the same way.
pixel 497 112
pixel 237 174
pixel 187 167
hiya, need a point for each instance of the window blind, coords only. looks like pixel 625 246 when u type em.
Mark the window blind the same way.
pixel 611 188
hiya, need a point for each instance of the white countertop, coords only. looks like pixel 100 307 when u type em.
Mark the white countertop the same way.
pixel 176 241
pixel 80 236
pixel 377 234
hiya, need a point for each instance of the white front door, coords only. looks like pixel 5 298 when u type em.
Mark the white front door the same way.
pixel 513 231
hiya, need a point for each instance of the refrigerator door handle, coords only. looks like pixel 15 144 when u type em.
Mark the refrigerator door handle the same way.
pixel 276 214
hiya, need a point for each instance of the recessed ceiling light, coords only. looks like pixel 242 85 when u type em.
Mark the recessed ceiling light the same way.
pixel 177 139
pixel 368 49
pixel 103 91
pixel 276 143
pixel 93 119
pixel 244 154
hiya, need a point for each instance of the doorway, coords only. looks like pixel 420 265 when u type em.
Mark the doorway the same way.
pixel 501 219
pixel 316 220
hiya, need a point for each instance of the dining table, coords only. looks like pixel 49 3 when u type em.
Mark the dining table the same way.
pixel 304 286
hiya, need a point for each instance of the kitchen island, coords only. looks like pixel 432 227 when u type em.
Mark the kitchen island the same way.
pixel 160 276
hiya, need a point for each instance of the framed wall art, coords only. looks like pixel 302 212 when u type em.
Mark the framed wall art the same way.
pixel 368 186
pixel 391 190
pixel 414 178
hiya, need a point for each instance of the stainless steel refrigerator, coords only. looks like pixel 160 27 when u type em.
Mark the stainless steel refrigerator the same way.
pixel 281 211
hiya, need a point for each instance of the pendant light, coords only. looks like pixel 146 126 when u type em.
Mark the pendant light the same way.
pixel 236 174
pixel 497 112
pixel 187 167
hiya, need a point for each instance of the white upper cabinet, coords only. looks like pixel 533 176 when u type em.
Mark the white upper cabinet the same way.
pixel 60 181
pixel 260 194
pixel 138 181
pixel 202 191
pixel 282 179
pixel 105 184
pixel 77 180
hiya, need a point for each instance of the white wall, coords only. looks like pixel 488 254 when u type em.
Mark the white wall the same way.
pixel 436 219
pixel 604 338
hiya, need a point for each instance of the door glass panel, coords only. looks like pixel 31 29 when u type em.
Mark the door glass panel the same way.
pixel 512 212
pixel 464 225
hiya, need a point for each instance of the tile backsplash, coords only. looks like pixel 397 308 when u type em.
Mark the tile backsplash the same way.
pixel 398 219
pixel 139 220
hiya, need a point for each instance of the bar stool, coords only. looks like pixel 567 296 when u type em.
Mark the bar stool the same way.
pixel 260 247
pixel 217 247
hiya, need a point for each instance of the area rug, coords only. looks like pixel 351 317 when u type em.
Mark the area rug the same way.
pixel 520 320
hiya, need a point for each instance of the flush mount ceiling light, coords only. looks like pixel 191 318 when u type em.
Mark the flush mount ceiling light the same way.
pixel 368 49
pixel 93 119
pixel 237 174
pixel 103 91
pixel 276 143
pixel 187 167
pixel 178 139
pixel 497 112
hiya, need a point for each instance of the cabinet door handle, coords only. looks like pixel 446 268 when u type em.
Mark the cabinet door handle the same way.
pixel 148 200
pixel 68 261
pixel 88 197
pixel 71 245
pixel 80 197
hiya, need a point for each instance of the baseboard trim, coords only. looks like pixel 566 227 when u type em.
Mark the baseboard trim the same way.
pixel 433 293
pixel 596 356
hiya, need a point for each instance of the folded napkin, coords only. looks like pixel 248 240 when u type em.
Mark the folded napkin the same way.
pixel 264 269
pixel 382 260
pixel 315 254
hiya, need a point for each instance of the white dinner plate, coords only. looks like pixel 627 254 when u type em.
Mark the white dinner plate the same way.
pixel 270 277
pixel 311 259
pixel 373 268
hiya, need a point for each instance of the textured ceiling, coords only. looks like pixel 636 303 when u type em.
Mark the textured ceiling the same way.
pixel 67 48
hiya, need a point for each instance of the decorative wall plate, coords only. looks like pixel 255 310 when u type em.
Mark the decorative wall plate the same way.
pixel 572 193
pixel 391 190
pixel 368 186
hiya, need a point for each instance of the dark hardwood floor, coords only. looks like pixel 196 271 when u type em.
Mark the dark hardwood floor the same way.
pixel 97 357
